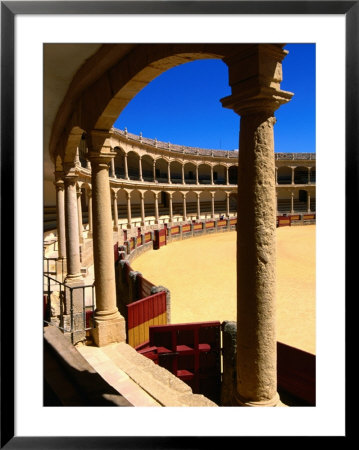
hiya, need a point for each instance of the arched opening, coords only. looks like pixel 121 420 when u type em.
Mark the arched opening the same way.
pixel 133 164
pixel 149 201
pixel 191 205
pixel 204 174
pixel 219 174
pixel 233 200
pixel 177 205
pixel 284 175
pixel 136 207
pixel 161 170
pixel 147 168
pixel 190 173
pixel 119 162
pixel 301 175
pixel 176 172
pixel 312 174
pixel 233 174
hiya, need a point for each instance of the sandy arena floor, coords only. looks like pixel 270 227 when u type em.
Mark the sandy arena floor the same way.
pixel 201 275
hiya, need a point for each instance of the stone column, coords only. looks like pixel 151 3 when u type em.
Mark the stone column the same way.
pixel 255 76
pixel 171 207
pixel 110 325
pixel 227 175
pixel 197 178
pixel 72 228
pixel 184 207
pixel 183 178
pixel 140 168
pixel 211 174
pixel 60 217
pixel 308 202
pixel 88 165
pixel 129 218
pixel 126 167
pixel 292 202
pixel 115 212
pixel 79 213
pixel 293 168
pixel 154 171
pixel 228 195
pixel 113 174
pixel 143 217
pixel 169 173
pixel 89 197
pixel 156 208
pixel 198 205
pixel 212 195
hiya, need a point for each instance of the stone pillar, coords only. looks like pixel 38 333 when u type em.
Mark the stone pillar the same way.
pixel 198 205
pixel 183 178
pixel 154 171
pixel 212 195
pixel 88 165
pixel 171 207
pixel 293 171
pixel 72 228
pixel 115 212
pixel 184 207
pixel 142 209
pixel 276 175
pixel 113 174
pixel 292 202
pixel 126 167
pixel 211 174
pixel 169 173
pixel 60 217
pixel 228 195
pixel 255 76
pixel 110 325
pixel 308 202
pixel 227 175
pixel 89 197
pixel 140 168
pixel 79 213
pixel 129 218
pixel 197 178
pixel 156 208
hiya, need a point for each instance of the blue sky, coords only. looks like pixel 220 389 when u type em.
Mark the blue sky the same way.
pixel 182 106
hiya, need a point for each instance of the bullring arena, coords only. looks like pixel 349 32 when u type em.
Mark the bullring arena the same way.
pixel 159 281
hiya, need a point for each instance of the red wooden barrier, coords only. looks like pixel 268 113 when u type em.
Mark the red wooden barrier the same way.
pixel 159 238
pixel 186 228
pixel 210 224
pixel 308 216
pixel 283 221
pixel 296 371
pixel 221 223
pixel 115 250
pixel 142 314
pixel 175 230
pixel 147 237
pixel 233 221
pixel 197 226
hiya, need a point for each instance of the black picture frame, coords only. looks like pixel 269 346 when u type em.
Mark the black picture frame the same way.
pixel 9 10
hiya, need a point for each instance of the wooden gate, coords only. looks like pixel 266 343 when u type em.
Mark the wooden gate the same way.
pixel 192 352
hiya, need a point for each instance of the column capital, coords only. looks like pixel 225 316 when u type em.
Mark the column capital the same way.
pixel 70 174
pixel 59 184
pixel 255 74
pixel 100 147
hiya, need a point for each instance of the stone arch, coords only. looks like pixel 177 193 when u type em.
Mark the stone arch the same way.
pixel 72 144
pixel 128 69
pixel 120 162
pixel 162 170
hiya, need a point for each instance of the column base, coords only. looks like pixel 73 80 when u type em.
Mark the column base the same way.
pixel 239 401
pixel 109 331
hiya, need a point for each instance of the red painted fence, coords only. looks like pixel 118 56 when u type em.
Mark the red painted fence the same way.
pixel 141 315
